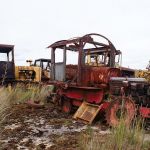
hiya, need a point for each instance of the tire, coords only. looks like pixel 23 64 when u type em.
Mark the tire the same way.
pixel 127 111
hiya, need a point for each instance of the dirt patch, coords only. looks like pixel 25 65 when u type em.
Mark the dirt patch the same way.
pixel 47 128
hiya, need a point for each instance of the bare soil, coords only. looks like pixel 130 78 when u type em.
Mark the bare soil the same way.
pixel 46 128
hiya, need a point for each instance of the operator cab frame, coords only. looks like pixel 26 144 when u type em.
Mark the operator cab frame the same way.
pixel 45 64
pixel 7 65
pixel 84 46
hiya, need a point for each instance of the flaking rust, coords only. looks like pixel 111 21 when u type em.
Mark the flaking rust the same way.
pixel 91 79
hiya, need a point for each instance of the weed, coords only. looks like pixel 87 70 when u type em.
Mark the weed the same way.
pixel 121 138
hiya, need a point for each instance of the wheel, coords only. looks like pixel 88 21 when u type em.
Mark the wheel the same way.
pixel 118 109
pixel 66 106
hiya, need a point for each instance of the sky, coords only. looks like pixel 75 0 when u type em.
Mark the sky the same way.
pixel 32 25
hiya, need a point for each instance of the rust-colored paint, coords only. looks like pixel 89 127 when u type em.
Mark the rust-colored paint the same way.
pixel 144 112
pixel 91 95
pixel 92 76
pixel 98 75
pixel 76 103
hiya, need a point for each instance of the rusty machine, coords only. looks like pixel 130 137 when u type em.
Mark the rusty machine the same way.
pixel 7 65
pixel 97 86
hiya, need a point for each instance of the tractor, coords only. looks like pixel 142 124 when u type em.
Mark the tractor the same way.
pixel 97 83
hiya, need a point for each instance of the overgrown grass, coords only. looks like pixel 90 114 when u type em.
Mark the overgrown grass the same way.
pixel 120 138
pixel 4 103
pixel 39 93
pixel 19 94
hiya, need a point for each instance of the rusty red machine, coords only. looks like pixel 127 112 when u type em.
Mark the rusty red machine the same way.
pixel 98 80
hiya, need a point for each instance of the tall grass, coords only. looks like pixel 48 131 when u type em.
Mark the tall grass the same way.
pixel 39 93
pixel 4 103
pixel 9 97
pixel 120 138
pixel 19 94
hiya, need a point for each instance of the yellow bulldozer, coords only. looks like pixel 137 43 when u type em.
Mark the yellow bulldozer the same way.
pixel 144 73
pixel 37 72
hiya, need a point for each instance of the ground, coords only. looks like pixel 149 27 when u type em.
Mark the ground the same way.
pixel 46 128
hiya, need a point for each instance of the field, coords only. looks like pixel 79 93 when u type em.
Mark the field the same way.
pixel 24 127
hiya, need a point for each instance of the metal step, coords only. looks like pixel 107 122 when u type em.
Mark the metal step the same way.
pixel 87 112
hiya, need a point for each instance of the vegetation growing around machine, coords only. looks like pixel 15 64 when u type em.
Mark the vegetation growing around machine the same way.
pixel 96 89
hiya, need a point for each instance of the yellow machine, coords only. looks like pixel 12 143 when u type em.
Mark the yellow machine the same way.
pixel 37 72
pixel 28 73
pixel 144 73
pixel 45 65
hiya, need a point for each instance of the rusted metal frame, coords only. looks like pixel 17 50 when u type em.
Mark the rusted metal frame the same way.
pixel 57 44
pixel 53 63
pixel 95 45
pixel 98 49
pixel 80 62
pixel 76 44
pixel 112 47
pixel 76 40
pixel 98 44
pixel 71 48
pixel 106 55
pixel 112 55
pixel 99 36
pixel 68 47
pixel 64 42
pixel 64 63
pixel 61 45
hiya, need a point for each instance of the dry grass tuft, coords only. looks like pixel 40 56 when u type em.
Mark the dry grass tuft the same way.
pixel 121 138
pixel 19 94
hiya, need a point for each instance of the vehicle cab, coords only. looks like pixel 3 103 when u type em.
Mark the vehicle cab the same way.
pixel 7 65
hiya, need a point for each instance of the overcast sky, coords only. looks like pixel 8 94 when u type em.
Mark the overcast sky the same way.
pixel 32 25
